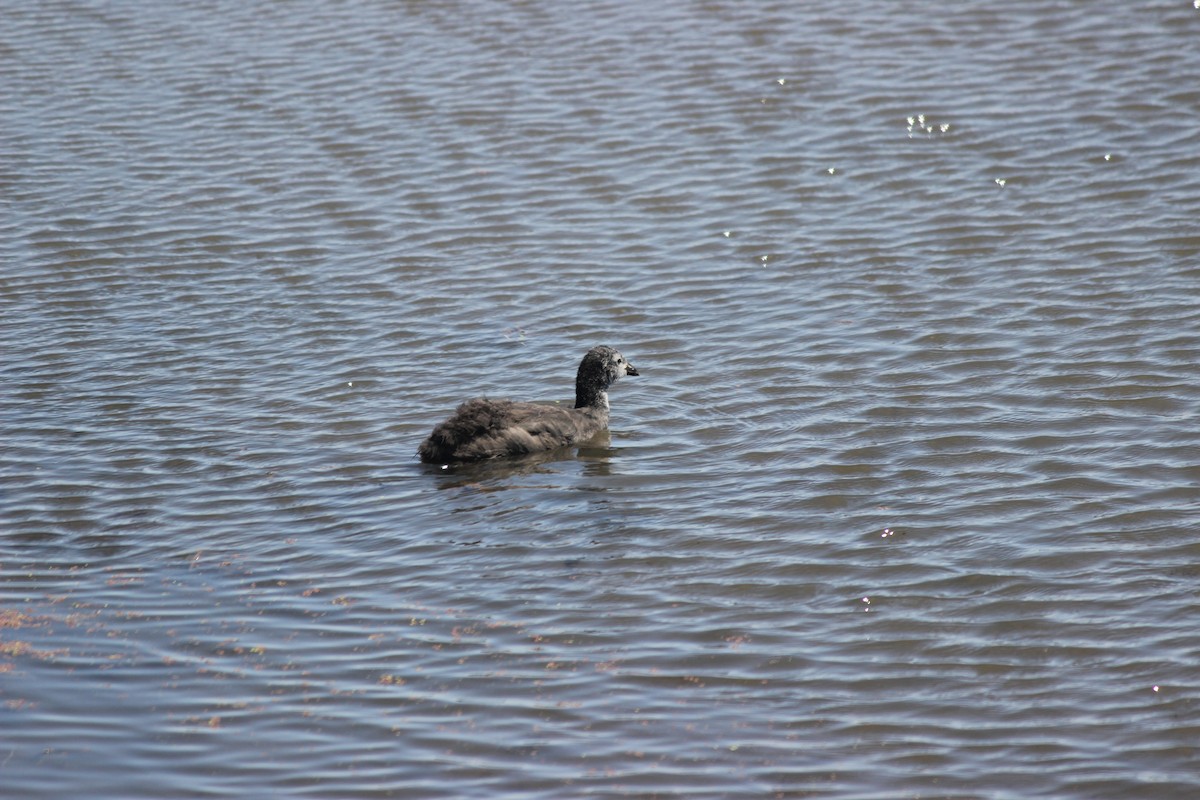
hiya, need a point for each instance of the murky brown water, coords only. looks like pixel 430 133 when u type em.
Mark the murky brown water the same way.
pixel 905 500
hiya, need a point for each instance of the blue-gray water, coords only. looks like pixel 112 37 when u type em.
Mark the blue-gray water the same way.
pixel 905 500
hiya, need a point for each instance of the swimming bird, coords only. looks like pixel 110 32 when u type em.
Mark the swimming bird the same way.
pixel 483 428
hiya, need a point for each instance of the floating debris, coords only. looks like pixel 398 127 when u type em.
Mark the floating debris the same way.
pixel 920 124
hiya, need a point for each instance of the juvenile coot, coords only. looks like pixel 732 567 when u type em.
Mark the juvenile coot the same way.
pixel 483 428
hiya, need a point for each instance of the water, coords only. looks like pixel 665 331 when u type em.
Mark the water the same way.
pixel 902 505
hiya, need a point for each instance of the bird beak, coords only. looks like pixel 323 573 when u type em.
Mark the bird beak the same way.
pixel 630 369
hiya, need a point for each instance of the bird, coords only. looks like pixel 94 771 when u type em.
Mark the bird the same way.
pixel 483 428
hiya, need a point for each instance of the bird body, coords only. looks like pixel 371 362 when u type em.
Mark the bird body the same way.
pixel 484 428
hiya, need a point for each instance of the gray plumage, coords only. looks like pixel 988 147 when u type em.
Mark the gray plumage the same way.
pixel 483 428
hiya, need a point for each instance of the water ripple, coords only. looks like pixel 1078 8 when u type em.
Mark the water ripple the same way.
pixel 901 504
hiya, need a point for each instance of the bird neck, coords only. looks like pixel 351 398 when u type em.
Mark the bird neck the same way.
pixel 590 397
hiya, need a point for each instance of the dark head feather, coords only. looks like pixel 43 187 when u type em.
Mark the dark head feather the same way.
pixel 600 368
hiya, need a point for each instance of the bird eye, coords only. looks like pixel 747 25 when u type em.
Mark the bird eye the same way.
pixel 620 360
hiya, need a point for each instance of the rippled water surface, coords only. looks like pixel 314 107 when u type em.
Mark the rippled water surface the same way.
pixel 903 504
